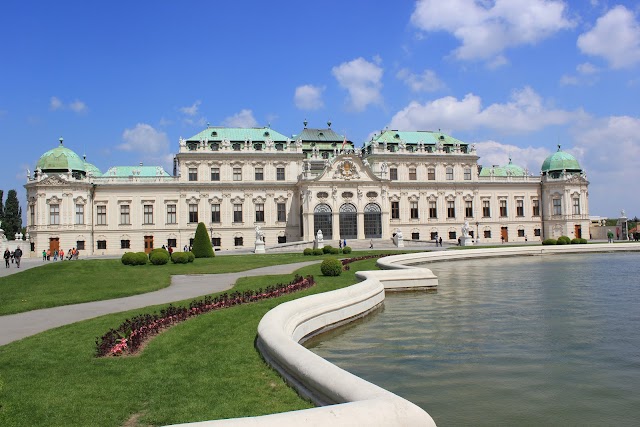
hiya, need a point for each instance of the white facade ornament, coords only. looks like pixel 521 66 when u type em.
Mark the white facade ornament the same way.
pixel 318 242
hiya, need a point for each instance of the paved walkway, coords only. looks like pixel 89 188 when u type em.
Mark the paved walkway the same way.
pixel 17 326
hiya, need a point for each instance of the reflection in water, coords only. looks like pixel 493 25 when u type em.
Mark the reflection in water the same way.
pixel 551 340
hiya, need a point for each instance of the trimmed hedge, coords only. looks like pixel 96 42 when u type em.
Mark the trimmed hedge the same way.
pixel 318 251
pixel 549 242
pixel 346 250
pixel 160 257
pixel 564 240
pixel 201 244
pixel 307 251
pixel 331 267
pixel 335 251
pixel 180 257
pixel 578 241
pixel 191 256
pixel 327 249
pixel 134 258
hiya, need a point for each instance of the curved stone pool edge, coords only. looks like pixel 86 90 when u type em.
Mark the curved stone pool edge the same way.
pixel 350 400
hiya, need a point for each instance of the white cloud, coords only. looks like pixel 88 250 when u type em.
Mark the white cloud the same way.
pixel 78 106
pixel 308 97
pixel 486 28
pixel 144 138
pixel 615 37
pixel 243 119
pixel 428 81
pixel 191 110
pixel 525 112
pixel 587 75
pixel 496 153
pixel 362 79
pixel 55 104
pixel 587 68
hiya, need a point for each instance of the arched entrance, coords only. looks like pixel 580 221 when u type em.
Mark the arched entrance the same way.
pixel 322 220
pixel 372 221
pixel 348 221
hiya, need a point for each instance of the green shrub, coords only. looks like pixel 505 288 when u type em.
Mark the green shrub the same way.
pixel 191 256
pixel 549 242
pixel 346 250
pixel 317 251
pixel 180 257
pixel 564 240
pixel 160 257
pixel 327 249
pixel 127 258
pixel 307 251
pixel 583 241
pixel 575 241
pixel 201 244
pixel 335 251
pixel 331 267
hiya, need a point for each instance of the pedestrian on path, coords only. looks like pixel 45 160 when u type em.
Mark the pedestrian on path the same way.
pixel 44 255
pixel 18 255
pixel 7 255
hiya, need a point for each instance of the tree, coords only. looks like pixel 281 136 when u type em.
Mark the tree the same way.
pixel 12 215
pixel 201 244
pixel 1 208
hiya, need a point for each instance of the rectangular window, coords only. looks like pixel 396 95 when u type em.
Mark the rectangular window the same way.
pixel 452 235
pixel 415 236
pixel 54 214
pixel 193 213
pixel 215 174
pixel 520 233
pixel 467 174
pixel 215 213
pixel 486 209
pixel 431 174
pixel 413 174
pixel 148 214
pixel 434 235
pixel 536 207
pixel 503 208
pixel 413 210
pixel 259 212
pixel 393 174
pixel 451 209
pixel 102 215
pixel 237 174
pixel 79 214
pixel 216 241
pixel 282 212
pixel 468 208
pixel 125 217
pixel 536 232
pixel 449 174
pixel 259 174
pixel 193 174
pixel 519 207
pixel 576 206
pixel 433 209
pixel 237 213
pixel 102 244
pixel 172 217
pixel 282 239
pixel 280 174
pixel 125 244
pixel 557 207
pixel 237 241
pixel 172 243
pixel 80 245
pixel 487 234
pixel 395 210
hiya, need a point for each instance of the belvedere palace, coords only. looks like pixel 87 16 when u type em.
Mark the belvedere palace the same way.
pixel 423 184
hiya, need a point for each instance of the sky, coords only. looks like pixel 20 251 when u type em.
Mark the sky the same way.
pixel 121 82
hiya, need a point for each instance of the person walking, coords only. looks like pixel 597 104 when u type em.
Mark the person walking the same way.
pixel 61 253
pixel 371 244
pixel 440 241
pixel 340 244
pixel 44 255
pixel 17 255
pixel 7 255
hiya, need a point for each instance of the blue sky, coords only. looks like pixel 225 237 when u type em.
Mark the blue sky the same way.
pixel 122 81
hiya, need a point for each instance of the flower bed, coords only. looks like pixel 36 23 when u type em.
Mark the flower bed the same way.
pixel 132 333
pixel 346 261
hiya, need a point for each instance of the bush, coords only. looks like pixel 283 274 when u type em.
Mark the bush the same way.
pixel 346 250
pixel 575 241
pixel 127 258
pixel 160 257
pixel 180 257
pixel 564 240
pixel 191 256
pixel 201 244
pixel 307 251
pixel 335 251
pixel 327 249
pixel 317 251
pixel 583 241
pixel 331 267
pixel 549 242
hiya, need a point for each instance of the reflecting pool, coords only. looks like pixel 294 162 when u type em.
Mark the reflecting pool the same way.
pixel 541 340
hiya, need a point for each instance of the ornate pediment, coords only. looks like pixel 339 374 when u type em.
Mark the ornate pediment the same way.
pixel 53 180
pixel 347 170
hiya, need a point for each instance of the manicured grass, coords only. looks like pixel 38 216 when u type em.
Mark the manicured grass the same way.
pixel 73 282
pixel 204 368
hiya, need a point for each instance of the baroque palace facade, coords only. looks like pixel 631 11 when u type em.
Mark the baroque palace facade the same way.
pixel 422 183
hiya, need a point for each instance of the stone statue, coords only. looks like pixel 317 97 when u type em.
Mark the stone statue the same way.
pixel 465 229
pixel 319 236
pixel 259 234
pixel 182 142
pixel 259 245
pixel 399 233
pixel 623 214
pixel 365 162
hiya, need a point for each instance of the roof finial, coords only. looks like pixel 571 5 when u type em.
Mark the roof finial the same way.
pixel 329 123
pixel 208 125
pixel 61 139
pixel 558 147
pixel 305 123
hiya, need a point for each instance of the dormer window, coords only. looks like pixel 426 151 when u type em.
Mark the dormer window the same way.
pixel 266 133
pixel 257 147
pixel 236 147
pixel 214 133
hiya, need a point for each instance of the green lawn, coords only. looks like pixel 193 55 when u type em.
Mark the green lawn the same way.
pixel 64 283
pixel 204 368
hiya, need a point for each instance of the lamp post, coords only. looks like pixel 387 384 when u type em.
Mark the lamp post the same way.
pixel 211 235
pixel 477 233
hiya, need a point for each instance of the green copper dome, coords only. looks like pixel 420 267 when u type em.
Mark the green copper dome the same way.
pixel 560 161
pixel 507 170
pixel 60 159
pixel 90 167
